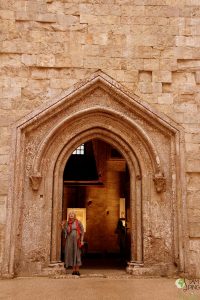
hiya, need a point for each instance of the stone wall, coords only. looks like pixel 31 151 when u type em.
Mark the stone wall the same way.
pixel 150 46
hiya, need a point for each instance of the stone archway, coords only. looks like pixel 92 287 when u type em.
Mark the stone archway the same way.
pixel 43 141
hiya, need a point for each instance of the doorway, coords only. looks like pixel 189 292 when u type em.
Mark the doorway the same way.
pixel 152 145
pixel 96 184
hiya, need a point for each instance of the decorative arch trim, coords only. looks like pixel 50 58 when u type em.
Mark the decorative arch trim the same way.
pixel 158 176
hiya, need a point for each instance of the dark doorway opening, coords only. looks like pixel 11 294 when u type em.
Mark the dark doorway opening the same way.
pixel 96 184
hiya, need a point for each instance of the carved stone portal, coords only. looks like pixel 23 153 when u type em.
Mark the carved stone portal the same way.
pixel 98 108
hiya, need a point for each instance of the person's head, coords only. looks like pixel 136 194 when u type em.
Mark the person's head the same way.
pixel 119 224
pixel 72 215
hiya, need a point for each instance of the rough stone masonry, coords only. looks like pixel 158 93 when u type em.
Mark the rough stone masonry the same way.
pixel 151 47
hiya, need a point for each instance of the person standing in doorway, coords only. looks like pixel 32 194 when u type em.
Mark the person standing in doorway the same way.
pixel 121 232
pixel 74 234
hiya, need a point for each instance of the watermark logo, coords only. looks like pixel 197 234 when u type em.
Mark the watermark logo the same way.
pixel 188 284
pixel 180 283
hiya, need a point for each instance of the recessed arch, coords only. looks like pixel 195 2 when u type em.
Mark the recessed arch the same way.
pixel 135 180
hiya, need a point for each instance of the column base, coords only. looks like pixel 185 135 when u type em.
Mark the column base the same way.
pixel 54 268
pixel 6 276
pixel 159 270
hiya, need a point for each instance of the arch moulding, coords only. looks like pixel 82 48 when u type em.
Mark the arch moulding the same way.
pixel 152 145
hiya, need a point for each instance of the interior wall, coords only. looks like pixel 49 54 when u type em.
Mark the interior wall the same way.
pixel 102 202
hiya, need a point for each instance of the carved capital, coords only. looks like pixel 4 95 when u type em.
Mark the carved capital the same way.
pixel 35 181
pixel 160 182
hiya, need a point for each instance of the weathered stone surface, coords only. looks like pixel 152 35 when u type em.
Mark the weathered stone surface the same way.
pixel 151 47
pixel 103 90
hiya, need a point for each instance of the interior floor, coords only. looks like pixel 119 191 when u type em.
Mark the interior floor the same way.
pixel 103 262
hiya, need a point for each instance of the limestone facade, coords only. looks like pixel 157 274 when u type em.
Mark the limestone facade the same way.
pixel 144 101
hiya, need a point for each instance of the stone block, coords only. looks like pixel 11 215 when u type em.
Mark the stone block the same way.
pixel 168 64
pixel 189 64
pixel 166 98
pixel 71 8
pixel 5 82
pixel 46 18
pixel 183 77
pixel 97 20
pixel 62 61
pixel 193 199
pixel 150 98
pixel 39 73
pixel 193 181
pixel 191 118
pixel 56 6
pixel 143 40
pixel 60 83
pixel 37 85
pixel 9 47
pixel 193 165
pixel 192 150
pixel 3 199
pixel 186 98
pixel 186 107
pixel 100 9
pixel 133 10
pixel 22 16
pixel 162 76
pixel 10 60
pixel 157 87
pixel 160 10
pixel 192 2
pixel 192 21
pixel 2 213
pixel 45 60
pixel 111 51
pixel 98 39
pixel 192 137
pixel 187 89
pixel 145 76
pixel 131 76
pixel 29 59
pixel 179 117
pixel 91 50
pixel 6 103
pixel 7 25
pixel 7 14
pixel 4 184
pixel 11 92
pixel 6 118
pixel 193 41
pixel 151 64
pixel 149 87
pixel 145 52
pixel 35 7
pixel 196 138
pixel 194 230
pixel 145 87
pixel 194 215
pixel 188 11
pixel 167 88
pixel 197 77
pixel 66 20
